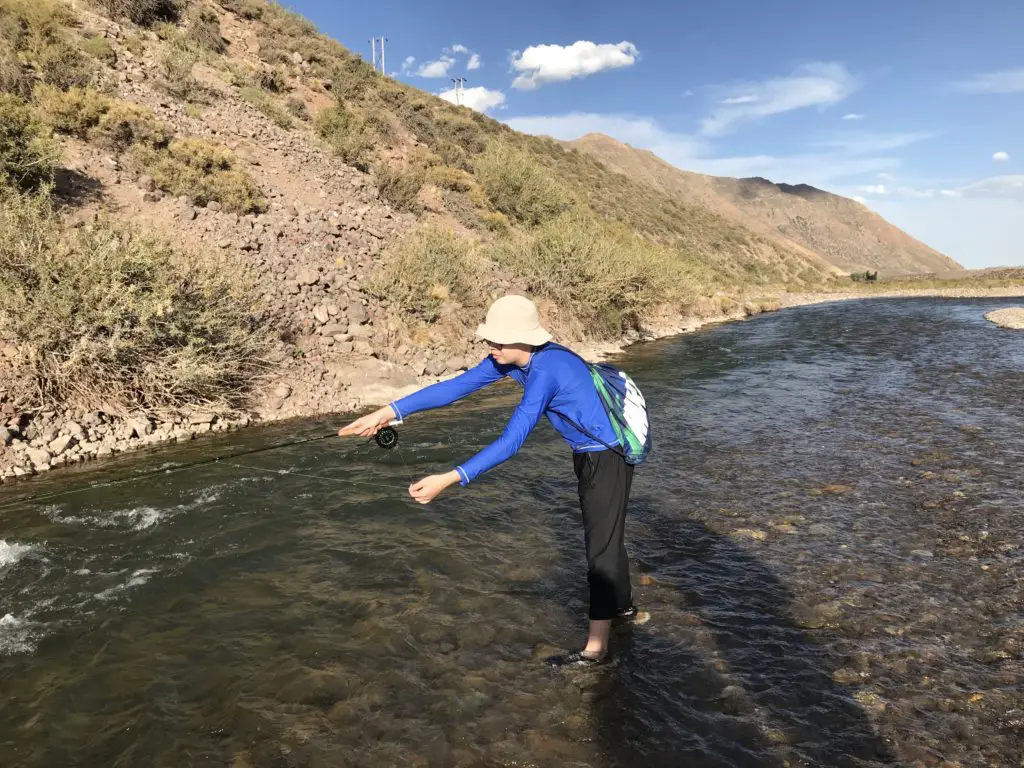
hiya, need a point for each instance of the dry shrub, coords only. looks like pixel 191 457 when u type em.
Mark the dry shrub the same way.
pixel 27 156
pixel 178 80
pixel 603 273
pixel 454 179
pixel 496 222
pixel 100 49
pixel 247 9
pixel 204 31
pixel 34 47
pixel 125 124
pixel 266 104
pixel 399 187
pixel 346 134
pixel 145 13
pixel 114 319
pixel 90 115
pixel 74 112
pixel 297 107
pixel 424 269
pixel 519 186
pixel 201 170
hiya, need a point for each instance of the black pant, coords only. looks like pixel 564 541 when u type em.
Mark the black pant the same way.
pixel 604 482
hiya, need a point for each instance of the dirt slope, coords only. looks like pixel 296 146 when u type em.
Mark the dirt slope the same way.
pixel 839 230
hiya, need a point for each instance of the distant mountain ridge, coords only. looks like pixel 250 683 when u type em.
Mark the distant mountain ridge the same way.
pixel 840 231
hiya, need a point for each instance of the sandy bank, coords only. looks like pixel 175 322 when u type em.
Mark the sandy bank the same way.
pixel 1011 317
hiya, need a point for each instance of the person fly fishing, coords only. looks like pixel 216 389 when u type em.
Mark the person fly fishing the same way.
pixel 599 412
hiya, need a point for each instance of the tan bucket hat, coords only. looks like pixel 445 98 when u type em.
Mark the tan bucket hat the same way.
pixel 513 320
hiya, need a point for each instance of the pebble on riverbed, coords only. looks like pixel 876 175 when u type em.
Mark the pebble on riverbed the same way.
pixel 1010 317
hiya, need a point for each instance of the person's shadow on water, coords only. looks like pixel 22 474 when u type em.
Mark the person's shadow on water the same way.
pixel 721 675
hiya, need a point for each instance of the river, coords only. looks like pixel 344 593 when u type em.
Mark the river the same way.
pixel 827 537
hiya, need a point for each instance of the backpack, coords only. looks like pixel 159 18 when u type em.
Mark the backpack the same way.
pixel 626 408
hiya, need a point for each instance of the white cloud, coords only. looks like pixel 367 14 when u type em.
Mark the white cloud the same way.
pixel 474 62
pixel 871 143
pixel 819 84
pixel 696 153
pixel 479 98
pixel 745 99
pixel 460 49
pixel 996 186
pixel 873 189
pixel 407 64
pixel 1005 81
pixel 540 64
pixel 859 199
pixel 437 68
pixel 853 116
pixel 1001 157
pixel 949 193
pixel 886 177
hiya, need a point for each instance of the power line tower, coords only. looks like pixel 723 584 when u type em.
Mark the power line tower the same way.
pixel 460 90
pixel 373 48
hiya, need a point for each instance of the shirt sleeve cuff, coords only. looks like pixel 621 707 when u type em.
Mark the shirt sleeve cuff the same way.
pixel 398 413
pixel 463 477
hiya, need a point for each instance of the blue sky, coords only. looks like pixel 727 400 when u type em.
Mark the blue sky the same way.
pixel 915 107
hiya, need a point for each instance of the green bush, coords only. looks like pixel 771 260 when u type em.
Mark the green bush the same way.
pixel 603 273
pixel 74 112
pixel 99 48
pixel 346 135
pixel 201 170
pixel 114 319
pixel 423 270
pixel 454 179
pixel 399 186
pixel 27 157
pixel 145 13
pixel 124 125
pixel 266 104
pixel 177 75
pixel 87 114
pixel 519 186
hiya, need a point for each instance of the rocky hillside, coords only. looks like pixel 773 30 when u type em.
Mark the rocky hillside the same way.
pixel 839 230
pixel 212 214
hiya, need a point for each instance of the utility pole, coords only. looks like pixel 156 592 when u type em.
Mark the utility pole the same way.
pixel 373 44
pixel 460 90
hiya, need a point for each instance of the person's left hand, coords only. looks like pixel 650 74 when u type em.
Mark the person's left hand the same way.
pixel 427 489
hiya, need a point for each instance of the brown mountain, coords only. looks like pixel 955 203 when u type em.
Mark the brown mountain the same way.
pixel 839 230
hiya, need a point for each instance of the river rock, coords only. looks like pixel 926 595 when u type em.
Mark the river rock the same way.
pixel 334 329
pixel 200 418
pixel 357 313
pixel 749 533
pixel 7 436
pixel 307 277
pixel 40 457
pixel 60 444
pixel 321 315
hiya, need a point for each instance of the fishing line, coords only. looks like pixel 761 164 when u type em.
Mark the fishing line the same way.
pixel 313 477
pixel 388 441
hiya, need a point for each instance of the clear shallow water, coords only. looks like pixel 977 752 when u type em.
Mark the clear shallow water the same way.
pixel 828 533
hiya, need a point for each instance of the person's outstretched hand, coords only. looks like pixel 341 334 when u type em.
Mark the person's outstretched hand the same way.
pixel 427 489
pixel 370 424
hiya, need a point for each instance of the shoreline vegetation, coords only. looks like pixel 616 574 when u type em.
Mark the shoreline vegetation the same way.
pixel 49 451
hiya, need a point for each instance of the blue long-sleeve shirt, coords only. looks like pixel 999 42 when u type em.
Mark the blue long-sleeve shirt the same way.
pixel 555 379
